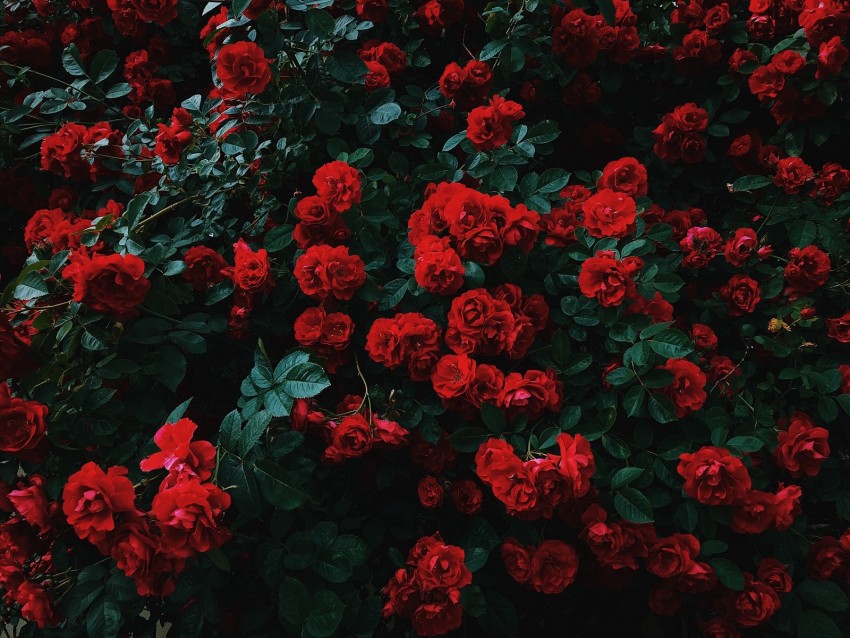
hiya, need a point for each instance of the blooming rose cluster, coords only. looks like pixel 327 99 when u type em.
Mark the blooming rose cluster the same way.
pixel 680 136
pixel 466 86
pixel 489 127
pixel 329 334
pixel 356 434
pixel 409 339
pixel 109 284
pixel 338 188
pixel 78 152
pixel 185 517
pixel 549 568
pixel 384 61
pixel 464 494
pixel 534 488
pixel 578 37
pixel 428 590
pixel 478 226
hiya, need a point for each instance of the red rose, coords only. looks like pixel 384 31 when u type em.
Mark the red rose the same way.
pixel 430 492
pixel 803 447
pixel 251 270
pixel 372 10
pixel 159 11
pixel 791 174
pixel 203 267
pixel 606 279
pixel 93 499
pixel 377 76
pixel 609 213
pixel 114 284
pixel 189 515
pixel 23 423
pixel 553 567
pixel 30 501
pixel 339 185
pixel 453 375
pixel 672 556
pixel 16 360
pixel 826 558
pixel 831 57
pixel 443 613
pixel 466 496
pixel 178 454
pixel 436 15
pixel 775 574
pixel 489 127
pixel 350 438
pixel 741 246
pixel 753 606
pixel 754 513
pixel 839 328
pixel 36 604
pixel 687 390
pixel 718 628
pixel 844 371
pixel 517 559
pixel 242 68
pixel 325 271
pixel 704 337
pixel 806 271
pixel 713 476
pixel 61 152
pixel 625 175
pixel 135 552
pixel 786 506
pixel 438 267
pixel 337 329
pixel 308 326
pixel 742 294
pixel 529 393
pixel 442 567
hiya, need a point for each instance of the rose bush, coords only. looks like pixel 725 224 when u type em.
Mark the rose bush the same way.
pixel 370 318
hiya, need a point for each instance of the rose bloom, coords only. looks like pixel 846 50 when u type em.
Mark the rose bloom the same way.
pixel 30 501
pixel 325 271
pixel 742 294
pixel 251 270
pixel 741 246
pixel 775 574
pixel 443 567
pixel 178 454
pixel 826 558
pixel 430 492
pixel 23 423
pixel 718 628
pixel 803 447
pixel 755 513
pixel 791 174
pixel 452 375
pixel 672 556
pixel 553 567
pixel 625 175
pixel 242 68
pixel 753 606
pixel 189 515
pixel 606 279
pixel 109 284
pixel 15 357
pixel 609 213
pixel 517 559
pixel 350 438
pixel 92 500
pixel 687 390
pixel 713 476
pixel 203 267
pixel 704 337
pixel 806 271
pixel 466 496
pixel 377 76
pixel 339 185
pixel 839 328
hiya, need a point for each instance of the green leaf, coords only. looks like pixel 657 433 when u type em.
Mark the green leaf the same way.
pixel 745 443
pixel 569 418
pixel 633 400
pixel 354 548
pixel 305 380
pixel 546 131
pixel 816 624
pixel 468 438
pixel 661 408
pixel 72 62
pixel 103 65
pixel 119 90
pixel 633 506
pixel 293 602
pixel 104 619
pixel 625 476
pixel 728 573
pixel 231 428
pixel 279 487
pixel 824 594
pixel 504 178
pixel 250 436
pixel 750 183
pixel 31 286
pixel 672 344
pixel 493 418
pixel 346 67
pixel 239 7
pixel 320 23
pixel 178 412
pixel 324 614
pixel 385 113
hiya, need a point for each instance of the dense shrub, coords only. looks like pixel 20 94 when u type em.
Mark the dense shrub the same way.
pixel 381 318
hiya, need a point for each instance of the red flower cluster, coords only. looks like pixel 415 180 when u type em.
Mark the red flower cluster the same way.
pixel 384 61
pixel 489 127
pixel 803 447
pixel 491 324
pixel 329 334
pixel 549 568
pixel 243 69
pixel 184 519
pixel 578 37
pixel 428 590
pixel 465 494
pixel 607 279
pixel 687 389
pixel 23 423
pixel 338 188
pixel 109 284
pixel 466 86
pixel 409 339
pixel 324 271
pixel 534 488
pixel 173 139
pixel 679 137
pixel 66 151
pixel 479 226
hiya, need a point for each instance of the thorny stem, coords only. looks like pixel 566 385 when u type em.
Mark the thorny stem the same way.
pixel 164 211
pixel 366 398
